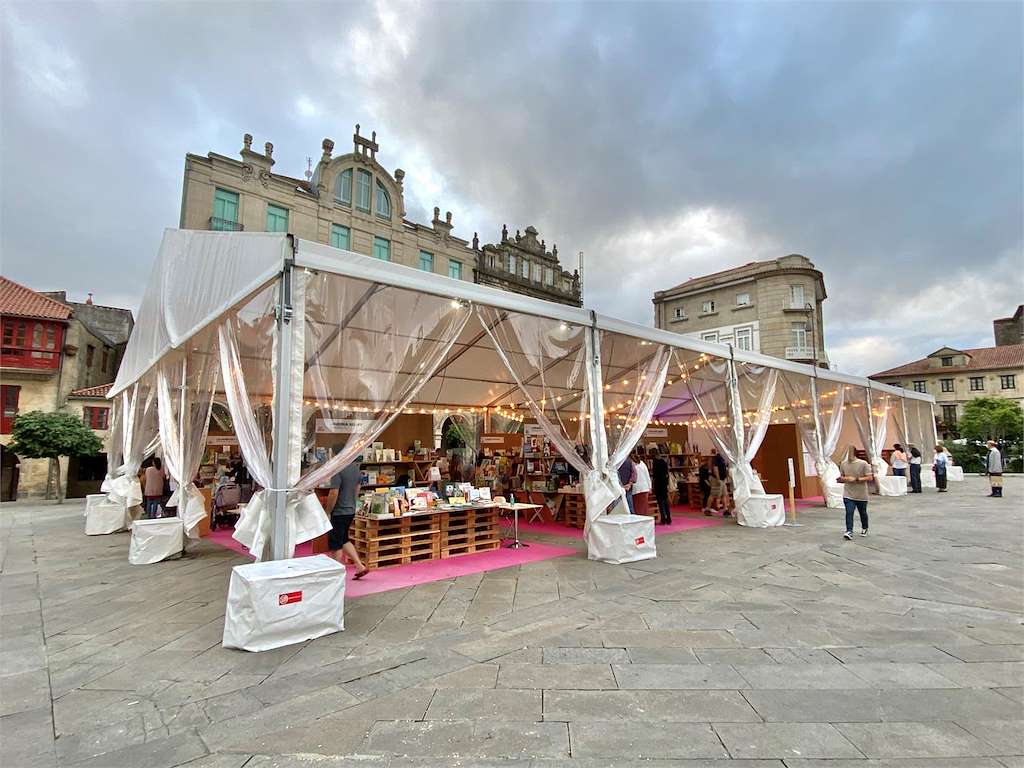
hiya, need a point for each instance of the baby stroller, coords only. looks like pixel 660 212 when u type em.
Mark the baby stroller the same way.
pixel 225 505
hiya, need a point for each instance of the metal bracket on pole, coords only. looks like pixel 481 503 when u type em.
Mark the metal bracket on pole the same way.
pixel 282 407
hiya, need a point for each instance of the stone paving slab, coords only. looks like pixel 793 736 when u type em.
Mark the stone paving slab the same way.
pixel 735 647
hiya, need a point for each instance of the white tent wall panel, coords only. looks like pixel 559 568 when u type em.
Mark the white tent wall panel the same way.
pixel 200 276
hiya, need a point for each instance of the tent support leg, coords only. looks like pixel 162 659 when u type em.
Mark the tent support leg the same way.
pixel 282 411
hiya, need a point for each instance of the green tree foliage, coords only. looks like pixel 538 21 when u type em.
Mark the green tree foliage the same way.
pixel 991 418
pixel 39 435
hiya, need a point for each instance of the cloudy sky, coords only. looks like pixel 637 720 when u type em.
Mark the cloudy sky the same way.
pixel 665 141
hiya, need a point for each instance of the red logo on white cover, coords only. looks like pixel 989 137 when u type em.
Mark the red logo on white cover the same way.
pixel 638 540
pixel 289 597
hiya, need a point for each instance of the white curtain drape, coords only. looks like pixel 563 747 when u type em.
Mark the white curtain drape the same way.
pixel 548 360
pixel 139 438
pixel 879 422
pixel 184 419
pixel 749 383
pixel 625 427
pixel 350 344
pixel 819 419
pixel 115 450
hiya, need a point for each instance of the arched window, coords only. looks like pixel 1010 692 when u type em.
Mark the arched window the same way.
pixel 383 202
pixel 343 187
pixel 363 190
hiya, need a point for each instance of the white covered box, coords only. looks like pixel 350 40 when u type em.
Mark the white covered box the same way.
pixel 892 485
pixel 102 517
pixel 955 474
pixel 622 539
pixel 927 478
pixel 281 602
pixel 762 510
pixel 156 540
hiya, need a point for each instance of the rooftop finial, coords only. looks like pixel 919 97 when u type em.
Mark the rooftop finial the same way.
pixel 247 142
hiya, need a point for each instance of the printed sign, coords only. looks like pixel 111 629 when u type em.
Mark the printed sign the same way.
pixel 533 430
pixel 639 540
pixel 222 440
pixel 342 426
pixel 492 440
pixel 287 598
pixel 656 432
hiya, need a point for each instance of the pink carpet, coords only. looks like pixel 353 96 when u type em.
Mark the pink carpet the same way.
pixel 402 576
pixel 681 521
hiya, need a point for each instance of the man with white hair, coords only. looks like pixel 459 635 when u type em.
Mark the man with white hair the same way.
pixel 994 466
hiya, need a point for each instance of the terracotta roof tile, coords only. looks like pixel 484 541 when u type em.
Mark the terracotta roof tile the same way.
pixel 99 391
pixel 982 359
pixel 18 301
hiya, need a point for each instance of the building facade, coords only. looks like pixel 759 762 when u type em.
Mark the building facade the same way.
pixel 957 376
pixel 51 349
pixel 351 201
pixel 772 307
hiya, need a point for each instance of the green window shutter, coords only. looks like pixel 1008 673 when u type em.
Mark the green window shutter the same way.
pixel 383 202
pixel 225 210
pixel 455 269
pixel 381 249
pixel 426 261
pixel 343 187
pixel 363 190
pixel 277 218
pixel 341 237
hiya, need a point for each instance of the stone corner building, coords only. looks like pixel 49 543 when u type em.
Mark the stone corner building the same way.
pixel 957 376
pixel 56 355
pixel 772 307
pixel 351 201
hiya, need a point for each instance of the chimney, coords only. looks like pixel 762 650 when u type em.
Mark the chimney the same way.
pixel 89 300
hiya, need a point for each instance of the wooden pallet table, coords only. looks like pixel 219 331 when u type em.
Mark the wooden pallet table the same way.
pixel 429 535
pixel 575 510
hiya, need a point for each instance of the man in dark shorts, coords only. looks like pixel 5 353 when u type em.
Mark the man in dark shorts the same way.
pixel 341 501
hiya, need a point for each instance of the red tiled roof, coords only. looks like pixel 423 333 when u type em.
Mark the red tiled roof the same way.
pixel 100 391
pixel 19 301
pixel 983 359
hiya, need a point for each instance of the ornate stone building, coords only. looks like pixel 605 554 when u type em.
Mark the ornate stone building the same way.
pixel 957 376
pixel 351 201
pixel 772 307
pixel 524 265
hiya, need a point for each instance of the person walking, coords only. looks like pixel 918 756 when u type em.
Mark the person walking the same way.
pixel 939 468
pixel 720 470
pixel 915 469
pixel 898 460
pixel 627 477
pixel 855 474
pixel 704 483
pixel 341 501
pixel 153 490
pixel 994 467
pixel 642 486
pixel 660 483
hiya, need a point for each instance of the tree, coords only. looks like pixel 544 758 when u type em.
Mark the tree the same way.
pixel 991 418
pixel 39 435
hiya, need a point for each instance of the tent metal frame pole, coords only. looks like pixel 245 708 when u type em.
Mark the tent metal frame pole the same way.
pixel 871 424
pixel 817 419
pixel 905 437
pixel 282 410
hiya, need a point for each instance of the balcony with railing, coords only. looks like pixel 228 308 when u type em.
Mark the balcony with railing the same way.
pixel 801 353
pixel 224 225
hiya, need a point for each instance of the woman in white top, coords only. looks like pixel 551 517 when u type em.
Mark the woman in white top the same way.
pixel 642 486
pixel 898 460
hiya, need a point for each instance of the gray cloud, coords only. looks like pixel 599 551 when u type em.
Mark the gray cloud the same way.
pixel 664 140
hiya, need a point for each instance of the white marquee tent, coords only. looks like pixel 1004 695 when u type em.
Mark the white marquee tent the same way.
pixel 292 334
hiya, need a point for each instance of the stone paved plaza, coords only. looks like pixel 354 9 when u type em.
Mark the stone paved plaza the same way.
pixel 735 647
